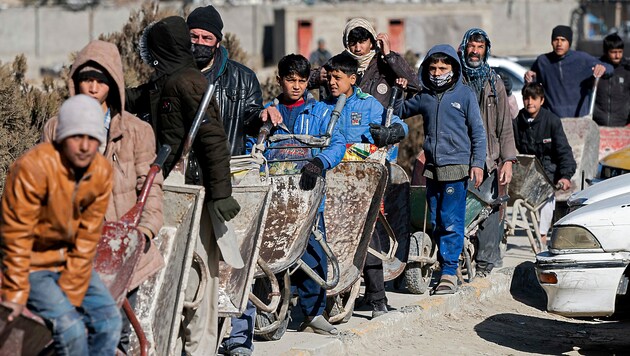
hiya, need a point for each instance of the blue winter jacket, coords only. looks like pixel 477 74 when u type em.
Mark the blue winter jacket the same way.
pixel 312 118
pixel 568 81
pixel 454 132
pixel 360 111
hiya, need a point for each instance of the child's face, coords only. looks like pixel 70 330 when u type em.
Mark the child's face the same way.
pixel 94 88
pixel 360 48
pixel 341 83
pixel 293 86
pixel 533 104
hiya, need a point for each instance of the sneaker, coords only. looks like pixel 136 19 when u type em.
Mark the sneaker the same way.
pixel 318 325
pixel 379 307
pixel 240 351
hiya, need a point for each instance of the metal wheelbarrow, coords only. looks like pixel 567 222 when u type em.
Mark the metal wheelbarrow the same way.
pixel 291 220
pixel 529 191
pixel 354 191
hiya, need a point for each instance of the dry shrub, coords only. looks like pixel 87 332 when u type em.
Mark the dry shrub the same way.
pixel 23 110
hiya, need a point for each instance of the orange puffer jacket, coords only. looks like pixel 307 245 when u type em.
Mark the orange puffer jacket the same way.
pixel 51 222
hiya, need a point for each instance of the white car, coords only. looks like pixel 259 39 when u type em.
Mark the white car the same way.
pixel 586 269
pixel 510 69
pixel 602 190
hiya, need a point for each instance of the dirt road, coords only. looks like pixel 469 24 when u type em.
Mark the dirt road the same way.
pixel 512 323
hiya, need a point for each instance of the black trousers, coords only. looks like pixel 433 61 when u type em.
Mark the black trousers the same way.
pixel 373 272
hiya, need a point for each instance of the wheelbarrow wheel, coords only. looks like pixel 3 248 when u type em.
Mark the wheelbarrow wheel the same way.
pixel 262 288
pixel 418 275
pixel 265 319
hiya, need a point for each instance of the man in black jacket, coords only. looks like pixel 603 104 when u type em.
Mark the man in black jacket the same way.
pixel 240 101
pixel 237 89
pixel 612 107
pixel 174 93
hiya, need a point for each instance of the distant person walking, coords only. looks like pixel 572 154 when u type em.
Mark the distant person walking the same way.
pixel 612 107
pixel 566 75
pixel 321 55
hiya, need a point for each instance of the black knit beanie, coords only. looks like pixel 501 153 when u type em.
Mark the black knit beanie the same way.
pixel 206 18
pixel 563 31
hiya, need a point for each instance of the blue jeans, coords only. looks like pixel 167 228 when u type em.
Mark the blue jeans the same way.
pixel 242 334
pixel 98 315
pixel 312 297
pixel 447 209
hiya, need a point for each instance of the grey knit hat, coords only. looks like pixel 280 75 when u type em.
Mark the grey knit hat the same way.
pixel 81 115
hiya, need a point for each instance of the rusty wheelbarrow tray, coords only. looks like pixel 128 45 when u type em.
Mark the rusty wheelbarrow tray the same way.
pixel 234 284
pixel 354 191
pixel 160 299
pixel 291 220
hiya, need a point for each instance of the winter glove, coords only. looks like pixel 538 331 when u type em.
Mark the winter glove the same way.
pixel 310 172
pixel 226 208
pixel 384 136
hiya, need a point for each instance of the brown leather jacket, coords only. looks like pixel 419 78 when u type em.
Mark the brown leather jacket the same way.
pixel 51 222
pixel 130 149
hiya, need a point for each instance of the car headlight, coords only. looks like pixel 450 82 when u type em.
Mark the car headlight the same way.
pixel 576 201
pixel 572 238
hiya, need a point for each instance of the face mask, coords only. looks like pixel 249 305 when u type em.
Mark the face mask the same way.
pixel 203 54
pixel 441 80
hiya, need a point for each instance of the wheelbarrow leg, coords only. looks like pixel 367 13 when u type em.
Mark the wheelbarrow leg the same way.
pixel 266 326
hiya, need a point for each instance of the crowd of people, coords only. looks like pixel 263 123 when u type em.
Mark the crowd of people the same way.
pixel 96 153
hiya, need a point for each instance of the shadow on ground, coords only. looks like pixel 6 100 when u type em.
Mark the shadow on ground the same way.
pixel 547 335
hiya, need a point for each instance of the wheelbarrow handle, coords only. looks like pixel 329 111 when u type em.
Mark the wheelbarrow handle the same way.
pixel 133 215
pixel 162 155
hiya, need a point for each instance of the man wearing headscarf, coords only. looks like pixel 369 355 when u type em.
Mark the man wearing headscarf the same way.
pixel 489 89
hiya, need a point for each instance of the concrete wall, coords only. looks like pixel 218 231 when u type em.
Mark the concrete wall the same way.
pixel 47 35
pixel 517 27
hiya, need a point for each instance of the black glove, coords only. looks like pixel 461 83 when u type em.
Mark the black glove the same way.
pixel 384 136
pixel 310 172
pixel 226 208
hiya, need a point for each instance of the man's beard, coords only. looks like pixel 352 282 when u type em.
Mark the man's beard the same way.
pixel 203 54
pixel 473 64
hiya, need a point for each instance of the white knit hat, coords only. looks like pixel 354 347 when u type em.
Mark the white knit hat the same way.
pixel 81 115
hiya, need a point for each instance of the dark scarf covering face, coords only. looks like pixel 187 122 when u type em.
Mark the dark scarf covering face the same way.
pixel 476 77
pixel 165 45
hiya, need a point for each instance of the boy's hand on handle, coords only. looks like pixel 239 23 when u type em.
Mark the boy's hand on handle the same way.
pixel 402 82
pixel 271 113
pixel 382 39
pixel 476 176
pixel 226 208
pixel 17 310
pixel 530 76
pixel 384 136
pixel 564 184
pixel 505 174
pixel 310 172
pixel 599 70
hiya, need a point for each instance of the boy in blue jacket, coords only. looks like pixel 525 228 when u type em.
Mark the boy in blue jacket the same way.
pixel 362 121
pixel 455 150
pixel 303 115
